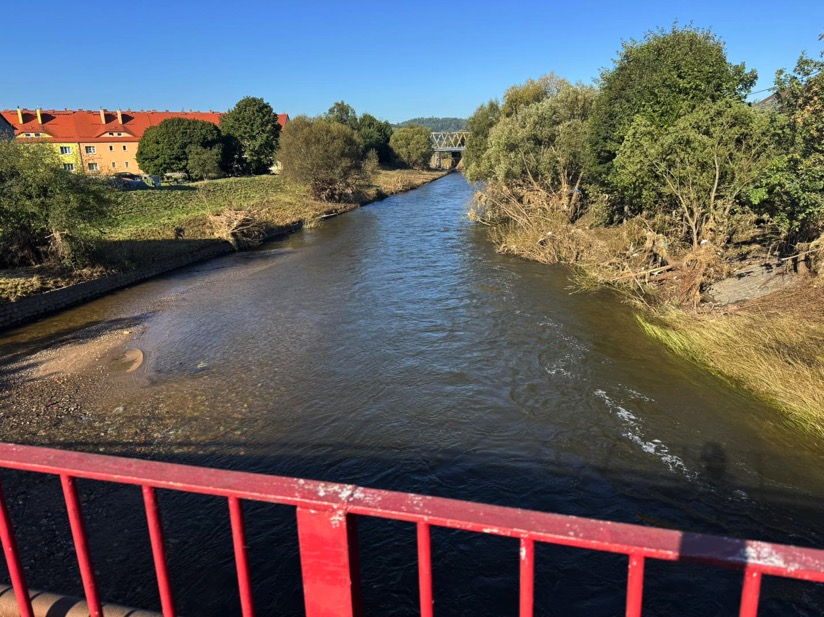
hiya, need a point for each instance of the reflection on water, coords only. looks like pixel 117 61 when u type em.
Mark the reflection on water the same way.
pixel 393 348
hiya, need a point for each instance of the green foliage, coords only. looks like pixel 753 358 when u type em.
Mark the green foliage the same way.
pixel 533 91
pixel 661 78
pixel 165 148
pixel 412 146
pixel 792 191
pixel 436 124
pixel 204 163
pixel 375 135
pixel 344 114
pixel 324 155
pixel 698 167
pixel 254 123
pixel 542 147
pixel 479 125
pixel 46 213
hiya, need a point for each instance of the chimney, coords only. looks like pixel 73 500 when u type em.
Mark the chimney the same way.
pixel 19 115
pixel 119 117
pixel 39 117
pixel 102 117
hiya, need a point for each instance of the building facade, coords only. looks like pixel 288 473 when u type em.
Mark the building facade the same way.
pixel 95 141
pixel 6 129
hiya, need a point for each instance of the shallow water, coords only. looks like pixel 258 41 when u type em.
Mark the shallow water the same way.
pixel 394 348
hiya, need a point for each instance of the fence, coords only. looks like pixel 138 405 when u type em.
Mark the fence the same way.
pixel 328 545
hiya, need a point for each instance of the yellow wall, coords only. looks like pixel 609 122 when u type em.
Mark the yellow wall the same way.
pixel 110 152
pixel 73 157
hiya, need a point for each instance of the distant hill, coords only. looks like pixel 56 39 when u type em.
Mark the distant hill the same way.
pixel 437 124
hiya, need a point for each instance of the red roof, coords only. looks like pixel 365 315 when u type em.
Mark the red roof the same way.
pixel 87 125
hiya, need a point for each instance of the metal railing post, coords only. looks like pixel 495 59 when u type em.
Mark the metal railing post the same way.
pixel 331 582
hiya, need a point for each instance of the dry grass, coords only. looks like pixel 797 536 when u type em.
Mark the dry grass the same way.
pixel 773 347
pixel 153 226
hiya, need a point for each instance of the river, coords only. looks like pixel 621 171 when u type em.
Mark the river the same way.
pixel 393 348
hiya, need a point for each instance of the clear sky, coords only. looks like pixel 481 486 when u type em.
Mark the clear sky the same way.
pixel 396 60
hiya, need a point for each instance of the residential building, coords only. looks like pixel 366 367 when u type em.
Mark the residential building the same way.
pixel 51 127
pixel 96 141
pixel 6 129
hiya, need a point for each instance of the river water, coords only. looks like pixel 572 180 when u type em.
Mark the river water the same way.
pixel 394 348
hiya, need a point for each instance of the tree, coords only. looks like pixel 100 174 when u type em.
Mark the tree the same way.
pixel 254 123
pixel 375 135
pixel 165 148
pixel 324 155
pixel 436 124
pixel 542 148
pixel 46 213
pixel 479 125
pixel 661 78
pixel 519 97
pixel 412 146
pixel 699 167
pixel 344 114
pixel 792 190
pixel 204 163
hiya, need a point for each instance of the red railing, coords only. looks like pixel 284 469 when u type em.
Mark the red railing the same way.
pixel 325 513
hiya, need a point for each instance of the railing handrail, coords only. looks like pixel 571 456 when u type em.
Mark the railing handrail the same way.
pixel 338 501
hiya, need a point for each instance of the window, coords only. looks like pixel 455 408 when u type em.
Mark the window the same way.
pixel 37 134
pixel 120 134
pixel 65 149
pixel 68 166
pixel 93 167
pixel 28 134
pixel 124 148
pixel 114 164
pixel 126 164
pixel 91 150
pixel 111 148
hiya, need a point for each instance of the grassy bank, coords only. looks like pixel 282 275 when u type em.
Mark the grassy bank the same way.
pixel 148 227
pixel 773 346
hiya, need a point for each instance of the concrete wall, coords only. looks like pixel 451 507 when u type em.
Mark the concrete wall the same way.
pixel 40 305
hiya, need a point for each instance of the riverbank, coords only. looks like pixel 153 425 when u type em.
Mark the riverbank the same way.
pixel 770 345
pixel 154 231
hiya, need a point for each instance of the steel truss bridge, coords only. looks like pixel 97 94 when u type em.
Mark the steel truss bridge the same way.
pixel 449 141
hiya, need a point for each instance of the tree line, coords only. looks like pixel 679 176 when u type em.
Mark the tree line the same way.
pixel 50 215
pixel 332 154
pixel 666 140
pixel 245 143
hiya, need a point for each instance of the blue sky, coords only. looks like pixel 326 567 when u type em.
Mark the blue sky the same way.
pixel 396 60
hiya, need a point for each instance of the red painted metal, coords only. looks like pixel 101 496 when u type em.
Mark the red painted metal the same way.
pixel 326 563
pixel 18 577
pixel 750 593
pixel 327 513
pixel 241 562
pixel 635 585
pixel 164 587
pixel 425 570
pixel 527 554
pixel 81 545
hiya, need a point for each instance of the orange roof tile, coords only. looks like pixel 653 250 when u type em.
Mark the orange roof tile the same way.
pixel 87 126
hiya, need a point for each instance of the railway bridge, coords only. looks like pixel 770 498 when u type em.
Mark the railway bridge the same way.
pixel 453 142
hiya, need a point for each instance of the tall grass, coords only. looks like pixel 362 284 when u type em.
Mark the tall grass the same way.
pixel 778 355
